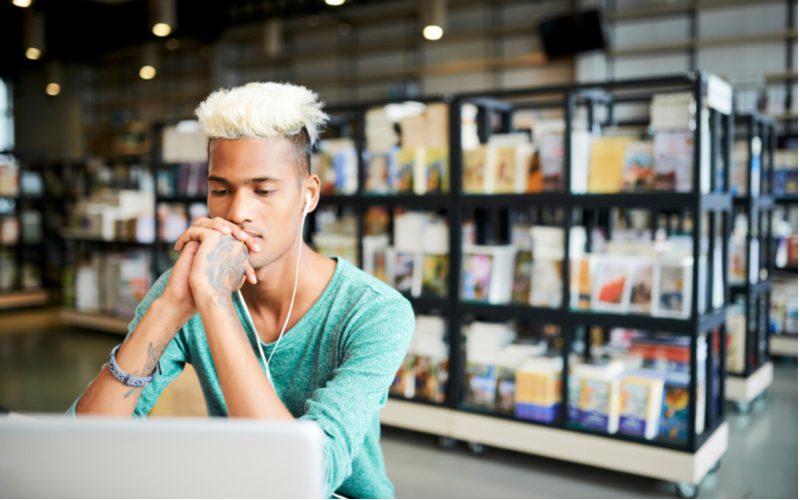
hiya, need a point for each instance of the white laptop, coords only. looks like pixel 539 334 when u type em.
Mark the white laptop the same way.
pixel 63 457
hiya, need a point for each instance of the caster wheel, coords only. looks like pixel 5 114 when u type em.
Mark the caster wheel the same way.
pixel 446 443
pixel 715 467
pixel 476 448
pixel 743 407
pixel 686 490
pixel 762 397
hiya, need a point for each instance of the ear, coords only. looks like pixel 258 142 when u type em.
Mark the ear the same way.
pixel 311 186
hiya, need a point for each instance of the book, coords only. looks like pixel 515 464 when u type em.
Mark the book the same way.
pixel 402 170
pixel 488 273
pixel 552 158
pixel 641 287
pixel 599 395
pixel 523 268
pixel 612 284
pixel 673 287
pixel 579 174
pixel 640 401
pixel 405 271
pixel 606 163
pixel 474 161
pixel 538 389
pixel 436 170
pixel 638 169
pixel 434 275
pixel 674 160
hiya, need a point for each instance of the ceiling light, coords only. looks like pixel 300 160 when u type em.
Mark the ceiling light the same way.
pixel 432 17
pixel 22 3
pixel 432 32
pixel 162 29
pixel 33 53
pixel 334 3
pixel 53 89
pixel 162 17
pixel 53 78
pixel 147 72
pixel 34 42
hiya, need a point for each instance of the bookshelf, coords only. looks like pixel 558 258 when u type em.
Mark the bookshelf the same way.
pixel 22 236
pixel 571 334
pixel 749 370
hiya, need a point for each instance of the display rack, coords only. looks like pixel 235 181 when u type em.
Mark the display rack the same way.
pixel 20 295
pixel 781 342
pixel 78 183
pixel 752 379
pixel 684 463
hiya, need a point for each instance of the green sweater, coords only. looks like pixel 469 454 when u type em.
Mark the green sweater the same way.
pixel 333 367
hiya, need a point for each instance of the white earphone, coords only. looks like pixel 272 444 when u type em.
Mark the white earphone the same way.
pixel 291 303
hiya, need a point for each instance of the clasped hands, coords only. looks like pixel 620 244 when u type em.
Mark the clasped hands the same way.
pixel 213 263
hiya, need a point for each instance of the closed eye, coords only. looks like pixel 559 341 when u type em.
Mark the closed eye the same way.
pixel 264 192
pixel 219 192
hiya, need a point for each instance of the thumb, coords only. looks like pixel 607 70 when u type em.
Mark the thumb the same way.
pixel 189 250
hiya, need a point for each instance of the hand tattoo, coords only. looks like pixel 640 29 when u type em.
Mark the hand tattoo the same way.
pixel 226 266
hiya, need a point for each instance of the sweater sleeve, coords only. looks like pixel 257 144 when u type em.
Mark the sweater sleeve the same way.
pixel 172 361
pixel 373 347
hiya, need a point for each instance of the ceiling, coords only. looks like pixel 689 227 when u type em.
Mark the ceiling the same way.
pixel 84 30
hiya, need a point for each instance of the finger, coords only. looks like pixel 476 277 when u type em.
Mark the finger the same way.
pixel 194 233
pixel 251 274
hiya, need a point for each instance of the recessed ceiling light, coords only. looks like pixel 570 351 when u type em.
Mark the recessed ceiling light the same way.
pixel 22 3
pixel 334 3
pixel 162 29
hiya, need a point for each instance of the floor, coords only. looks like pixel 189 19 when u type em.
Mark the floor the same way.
pixel 44 369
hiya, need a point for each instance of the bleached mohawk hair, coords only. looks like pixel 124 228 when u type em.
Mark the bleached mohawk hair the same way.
pixel 261 110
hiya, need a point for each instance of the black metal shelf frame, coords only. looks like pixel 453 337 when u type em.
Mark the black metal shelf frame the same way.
pixel 761 136
pixel 718 202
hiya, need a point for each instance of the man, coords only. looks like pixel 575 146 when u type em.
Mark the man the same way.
pixel 245 274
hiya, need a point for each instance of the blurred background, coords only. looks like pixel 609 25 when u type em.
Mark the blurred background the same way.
pixel 592 206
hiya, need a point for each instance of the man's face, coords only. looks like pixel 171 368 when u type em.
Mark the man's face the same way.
pixel 255 184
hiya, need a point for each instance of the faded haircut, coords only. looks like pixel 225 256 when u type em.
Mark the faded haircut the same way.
pixel 267 110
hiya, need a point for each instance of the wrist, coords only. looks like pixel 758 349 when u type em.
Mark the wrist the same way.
pixel 174 312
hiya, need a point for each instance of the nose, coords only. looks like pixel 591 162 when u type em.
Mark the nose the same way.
pixel 240 209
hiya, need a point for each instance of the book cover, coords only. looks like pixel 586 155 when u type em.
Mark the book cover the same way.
pixel 523 267
pixel 638 171
pixel 673 289
pixel 404 272
pixel 551 156
pixel 475 170
pixel 503 168
pixel 606 163
pixel 403 169
pixel 674 160
pixel 641 289
pixel 436 169
pixel 611 290
pixel 545 282
pixel 599 404
pixel 476 277
pixel 640 406
pixel 434 275
pixel 481 384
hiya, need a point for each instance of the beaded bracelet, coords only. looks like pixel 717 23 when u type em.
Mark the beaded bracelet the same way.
pixel 127 379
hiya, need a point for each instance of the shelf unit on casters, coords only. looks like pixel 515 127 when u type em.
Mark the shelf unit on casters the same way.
pixel 746 383
pixel 685 463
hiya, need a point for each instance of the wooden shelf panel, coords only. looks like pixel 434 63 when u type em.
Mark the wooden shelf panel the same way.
pixel 13 300
pixel 95 321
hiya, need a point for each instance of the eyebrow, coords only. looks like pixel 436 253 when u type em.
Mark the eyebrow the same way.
pixel 254 180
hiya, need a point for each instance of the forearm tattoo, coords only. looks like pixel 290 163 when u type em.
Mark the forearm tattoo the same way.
pixel 226 266
pixel 154 353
